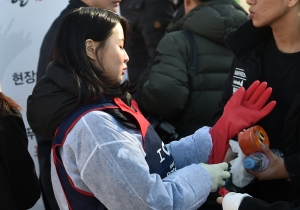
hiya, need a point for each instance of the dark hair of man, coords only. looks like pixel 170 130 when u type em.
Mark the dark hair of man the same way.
pixel 70 51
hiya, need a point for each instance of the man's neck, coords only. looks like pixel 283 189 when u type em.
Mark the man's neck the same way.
pixel 287 33
pixel 86 2
pixel 77 3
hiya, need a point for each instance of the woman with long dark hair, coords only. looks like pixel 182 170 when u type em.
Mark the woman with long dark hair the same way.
pixel 105 154
pixel 19 186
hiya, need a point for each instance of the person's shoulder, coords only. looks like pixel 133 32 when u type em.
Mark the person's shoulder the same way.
pixel 90 122
pixel 100 127
pixel 12 125
pixel 173 39
pixel 10 115
pixel 97 118
pixel 101 114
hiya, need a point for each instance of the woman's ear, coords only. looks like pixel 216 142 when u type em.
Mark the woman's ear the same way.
pixel 90 47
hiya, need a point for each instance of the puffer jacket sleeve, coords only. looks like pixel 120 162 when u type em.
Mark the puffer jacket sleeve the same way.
pixel 165 92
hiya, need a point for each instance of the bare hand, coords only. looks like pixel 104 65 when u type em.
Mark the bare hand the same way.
pixel 220 200
pixel 230 155
pixel 275 170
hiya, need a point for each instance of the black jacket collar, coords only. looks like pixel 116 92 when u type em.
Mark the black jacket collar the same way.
pixel 73 4
pixel 55 96
pixel 247 38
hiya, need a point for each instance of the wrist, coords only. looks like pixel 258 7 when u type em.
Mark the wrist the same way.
pixel 283 172
pixel 233 200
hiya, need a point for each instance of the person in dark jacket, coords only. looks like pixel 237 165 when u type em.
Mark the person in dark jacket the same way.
pixel 19 185
pixel 234 201
pixel 149 20
pixel 267 48
pixel 89 64
pixel 167 92
pixel 178 13
pixel 44 144
pixel 49 39
pixel 105 154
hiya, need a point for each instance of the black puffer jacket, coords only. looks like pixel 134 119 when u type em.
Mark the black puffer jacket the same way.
pixel 149 20
pixel 55 96
pixel 52 99
pixel 166 92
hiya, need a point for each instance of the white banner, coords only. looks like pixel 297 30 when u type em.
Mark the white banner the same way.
pixel 23 25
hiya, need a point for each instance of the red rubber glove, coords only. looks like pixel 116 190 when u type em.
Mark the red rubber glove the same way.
pixel 244 108
pixel 223 191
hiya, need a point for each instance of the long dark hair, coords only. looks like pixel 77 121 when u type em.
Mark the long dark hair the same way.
pixel 8 106
pixel 70 51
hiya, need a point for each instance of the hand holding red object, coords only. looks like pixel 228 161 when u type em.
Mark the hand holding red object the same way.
pixel 243 109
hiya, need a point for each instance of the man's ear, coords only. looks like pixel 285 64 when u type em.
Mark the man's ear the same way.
pixel 90 48
pixel 292 3
pixel 189 5
pixel 187 2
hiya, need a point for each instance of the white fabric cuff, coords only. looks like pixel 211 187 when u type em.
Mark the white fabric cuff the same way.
pixel 233 200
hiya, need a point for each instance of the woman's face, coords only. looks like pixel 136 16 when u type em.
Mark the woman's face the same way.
pixel 114 56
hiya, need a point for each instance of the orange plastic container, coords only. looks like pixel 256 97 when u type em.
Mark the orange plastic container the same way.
pixel 250 139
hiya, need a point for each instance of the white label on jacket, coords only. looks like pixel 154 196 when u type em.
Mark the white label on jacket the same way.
pixel 239 77
pixel 165 151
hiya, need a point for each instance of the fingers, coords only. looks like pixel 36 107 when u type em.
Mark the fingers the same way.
pixel 266 150
pixel 237 97
pixel 223 166
pixel 252 172
pixel 258 92
pixel 257 115
pixel 220 200
pixel 263 98
pixel 225 175
pixel 214 189
pixel 221 183
pixel 217 174
pixel 266 110
pixel 251 89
